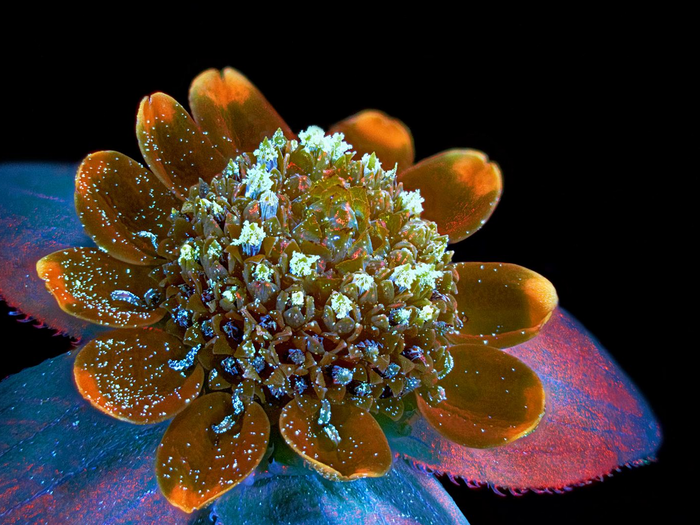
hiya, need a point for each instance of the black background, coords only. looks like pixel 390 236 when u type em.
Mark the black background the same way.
pixel 576 123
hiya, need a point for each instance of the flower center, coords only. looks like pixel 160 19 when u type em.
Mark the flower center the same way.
pixel 299 271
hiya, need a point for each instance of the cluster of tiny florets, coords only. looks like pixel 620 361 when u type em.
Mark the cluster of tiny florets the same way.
pixel 299 271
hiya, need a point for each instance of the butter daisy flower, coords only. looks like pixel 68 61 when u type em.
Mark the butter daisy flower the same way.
pixel 289 302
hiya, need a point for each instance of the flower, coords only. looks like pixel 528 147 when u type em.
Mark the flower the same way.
pixel 292 288
pixel 296 295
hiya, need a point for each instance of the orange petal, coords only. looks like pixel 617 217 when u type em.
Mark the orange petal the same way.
pixel 176 150
pixel 374 131
pixel 461 189
pixel 91 285
pixel 123 207
pixel 195 464
pixel 502 304
pixel 233 112
pixel 491 398
pixel 125 374
pixel 362 452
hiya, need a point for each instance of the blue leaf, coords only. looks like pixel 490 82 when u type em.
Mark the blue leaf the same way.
pixel 37 217
pixel 62 461
pixel 404 496
pixel 595 421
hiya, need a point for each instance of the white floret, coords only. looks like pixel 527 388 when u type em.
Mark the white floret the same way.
pixel 266 152
pixel 371 163
pixel 262 272
pixel 427 275
pixel 302 265
pixel 341 305
pixel 412 201
pixel 278 139
pixel 231 169
pixel 214 250
pixel 403 276
pixel 189 253
pixel 297 299
pixel 251 237
pixel 391 174
pixel 257 180
pixel 363 281
pixel 335 146
pixel 402 315
pixel 268 205
pixel 428 313
pixel 312 139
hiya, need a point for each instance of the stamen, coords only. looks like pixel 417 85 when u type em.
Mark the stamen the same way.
pixel 363 389
pixel 411 384
pixel 370 349
pixel 332 433
pixel 126 297
pixel 214 251
pixel 448 366
pixel 150 236
pixel 392 371
pixel 238 406
pixel 324 415
pixel 297 356
pixel 185 363
pixel 259 363
pixel 229 365
pixel 341 376
pixel 225 425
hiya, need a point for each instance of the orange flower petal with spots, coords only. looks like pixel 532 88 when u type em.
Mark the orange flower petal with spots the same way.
pixel 127 374
pixel 361 452
pixel 491 398
pixel 91 285
pixel 461 189
pixel 373 131
pixel 176 150
pixel 123 206
pixel 501 304
pixel 195 463
pixel 233 112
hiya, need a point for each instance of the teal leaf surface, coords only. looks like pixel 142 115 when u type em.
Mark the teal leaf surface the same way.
pixel 37 217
